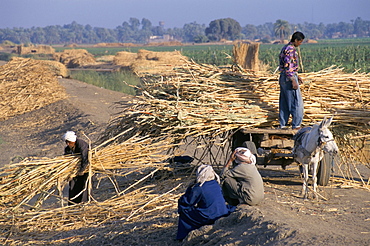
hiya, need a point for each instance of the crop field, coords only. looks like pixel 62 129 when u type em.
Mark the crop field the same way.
pixel 351 54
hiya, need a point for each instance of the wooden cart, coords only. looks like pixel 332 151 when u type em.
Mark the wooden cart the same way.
pixel 274 147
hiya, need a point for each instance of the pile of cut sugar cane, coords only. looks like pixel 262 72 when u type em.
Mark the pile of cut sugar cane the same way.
pixel 200 101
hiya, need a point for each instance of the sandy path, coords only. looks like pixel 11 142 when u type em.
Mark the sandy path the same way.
pixel 97 103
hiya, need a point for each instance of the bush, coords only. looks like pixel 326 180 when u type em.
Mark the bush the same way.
pixel 6 56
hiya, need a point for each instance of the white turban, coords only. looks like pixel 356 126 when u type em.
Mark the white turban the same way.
pixel 206 173
pixel 70 136
pixel 244 155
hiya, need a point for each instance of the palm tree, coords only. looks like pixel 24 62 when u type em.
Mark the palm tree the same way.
pixel 281 28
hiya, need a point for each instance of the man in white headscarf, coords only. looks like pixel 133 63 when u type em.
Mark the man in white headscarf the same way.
pixel 77 186
pixel 203 202
pixel 243 183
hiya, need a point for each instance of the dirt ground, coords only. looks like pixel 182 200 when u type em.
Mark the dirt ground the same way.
pixel 284 218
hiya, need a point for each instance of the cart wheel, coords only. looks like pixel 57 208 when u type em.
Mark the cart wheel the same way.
pixel 251 146
pixel 324 171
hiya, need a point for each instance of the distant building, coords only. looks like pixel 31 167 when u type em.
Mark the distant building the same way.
pixel 161 39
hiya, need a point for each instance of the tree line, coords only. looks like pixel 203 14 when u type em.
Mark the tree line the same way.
pixel 136 31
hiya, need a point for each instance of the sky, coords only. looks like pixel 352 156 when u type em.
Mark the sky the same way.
pixel 176 13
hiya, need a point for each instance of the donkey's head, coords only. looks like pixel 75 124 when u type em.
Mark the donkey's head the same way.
pixel 326 138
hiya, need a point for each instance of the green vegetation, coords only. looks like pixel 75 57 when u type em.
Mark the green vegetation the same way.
pixel 6 56
pixel 115 81
pixel 352 55
pixel 227 28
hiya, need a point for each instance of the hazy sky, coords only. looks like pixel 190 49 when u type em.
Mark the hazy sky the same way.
pixel 176 13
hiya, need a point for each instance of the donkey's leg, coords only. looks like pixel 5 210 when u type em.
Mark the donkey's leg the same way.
pixel 305 181
pixel 314 178
pixel 315 165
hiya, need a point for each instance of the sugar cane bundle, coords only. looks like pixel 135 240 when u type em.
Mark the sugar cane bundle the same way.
pixel 146 202
pixel 26 85
pixel 20 182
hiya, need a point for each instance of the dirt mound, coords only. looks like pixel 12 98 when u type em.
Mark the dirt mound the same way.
pixel 26 85
pixel 246 225
pixel 73 58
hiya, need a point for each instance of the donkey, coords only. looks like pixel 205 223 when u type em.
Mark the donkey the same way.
pixel 310 143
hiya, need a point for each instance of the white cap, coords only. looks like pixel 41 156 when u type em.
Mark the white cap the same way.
pixel 241 153
pixel 70 136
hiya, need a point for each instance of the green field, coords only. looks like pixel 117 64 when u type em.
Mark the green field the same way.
pixel 351 54
pixel 117 81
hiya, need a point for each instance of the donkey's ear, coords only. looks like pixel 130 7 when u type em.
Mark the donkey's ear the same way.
pixel 323 122
pixel 328 122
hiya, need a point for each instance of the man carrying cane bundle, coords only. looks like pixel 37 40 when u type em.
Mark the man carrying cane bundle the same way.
pixel 78 190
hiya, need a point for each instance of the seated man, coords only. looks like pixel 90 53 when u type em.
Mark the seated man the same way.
pixel 202 204
pixel 243 183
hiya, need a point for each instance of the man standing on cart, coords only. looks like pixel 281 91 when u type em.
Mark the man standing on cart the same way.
pixel 290 100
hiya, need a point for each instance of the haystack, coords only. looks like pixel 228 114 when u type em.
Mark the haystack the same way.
pixel 246 55
pixel 157 62
pixel 124 58
pixel 57 68
pixel 73 58
pixel 26 85
pixel 35 49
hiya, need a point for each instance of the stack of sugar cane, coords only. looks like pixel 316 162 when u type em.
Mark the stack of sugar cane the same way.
pixel 200 100
pixel 192 103
pixel 133 199
pixel 26 85
pixel 20 182
pixel 203 99
pixel 125 210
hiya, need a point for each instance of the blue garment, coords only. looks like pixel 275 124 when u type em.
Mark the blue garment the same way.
pixel 290 102
pixel 199 206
